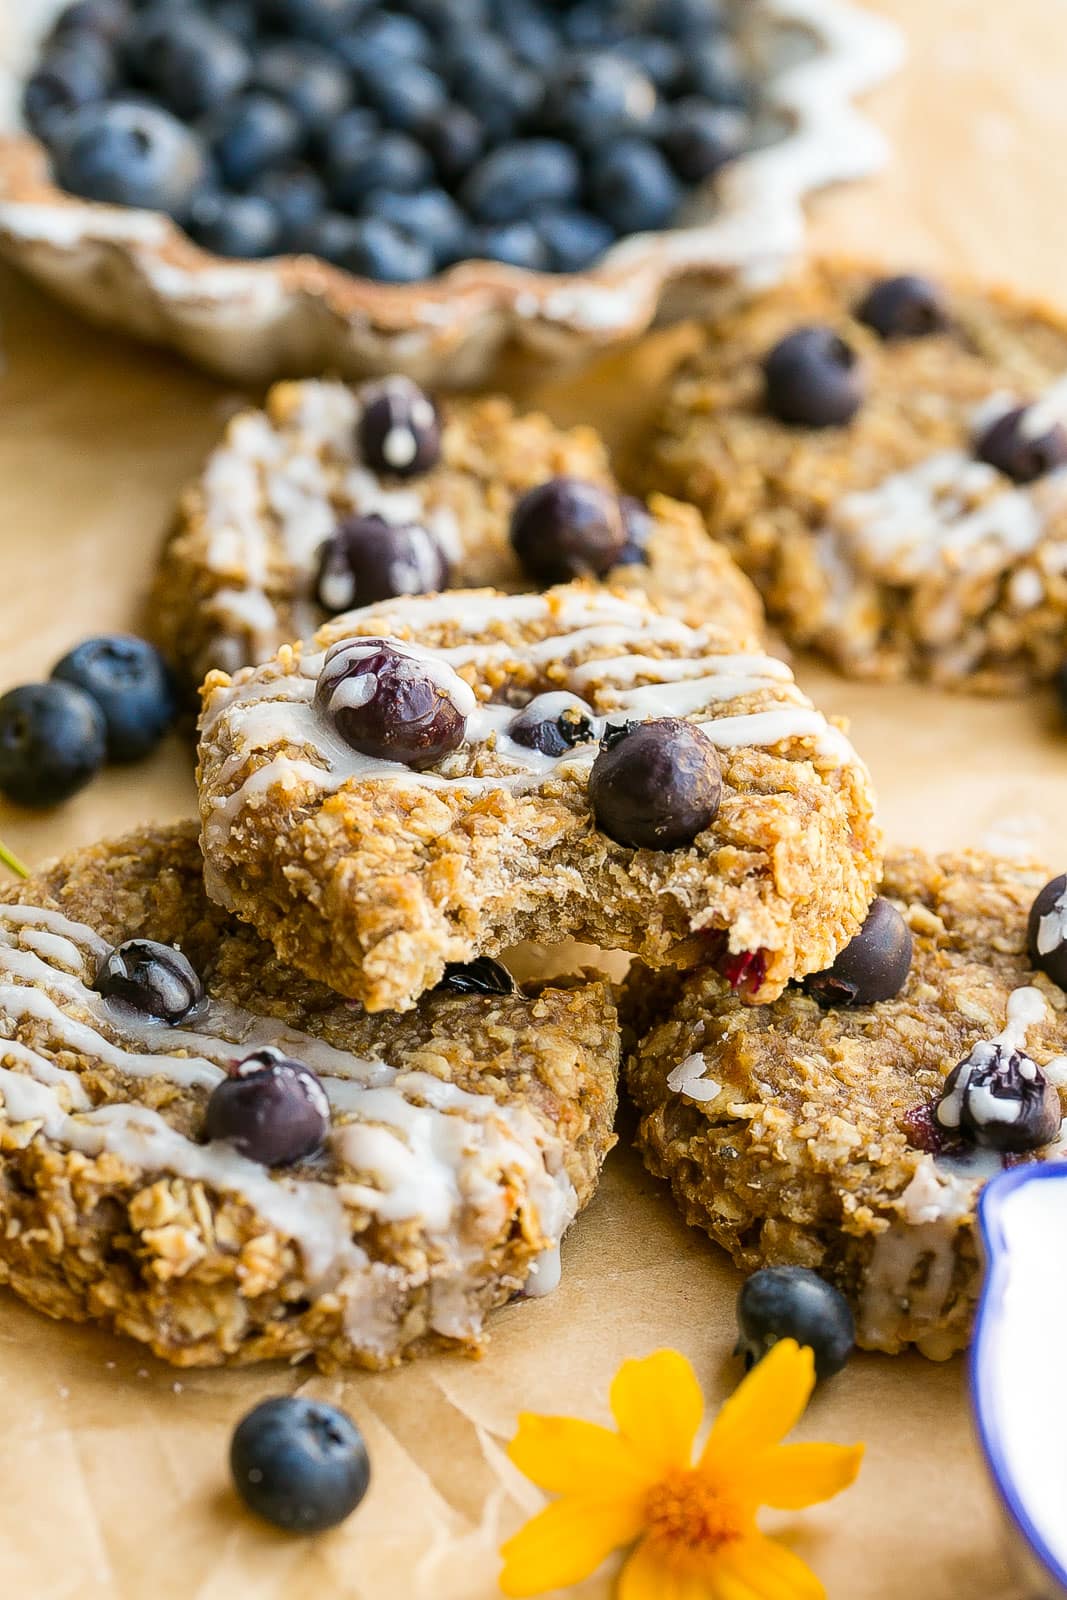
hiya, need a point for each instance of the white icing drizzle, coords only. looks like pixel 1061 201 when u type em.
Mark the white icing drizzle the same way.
pixel 690 1078
pixel 1026 1010
pixel 423 1148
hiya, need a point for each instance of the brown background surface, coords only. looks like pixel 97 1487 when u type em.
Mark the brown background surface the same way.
pixel 112 1473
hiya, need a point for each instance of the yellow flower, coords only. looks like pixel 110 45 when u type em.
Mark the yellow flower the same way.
pixel 694 1527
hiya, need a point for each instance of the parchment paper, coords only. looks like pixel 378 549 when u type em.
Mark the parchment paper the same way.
pixel 113 1477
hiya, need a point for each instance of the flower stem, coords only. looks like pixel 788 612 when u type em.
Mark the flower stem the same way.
pixel 12 861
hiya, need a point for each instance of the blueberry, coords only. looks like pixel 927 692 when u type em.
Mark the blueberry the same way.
pixel 529 33
pixel 689 21
pixel 299 1464
pixel 130 155
pixel 190 64
pixel 67 77
pixel 297 196
pixel 700 139
pixel 517 177
pixel 132 685
pixel 359 160
pixel 794 1303
pixel 639 528
pixel 632 186
pixel 270 1108
pixel 1060 682
pixel 392 704
pixel 309 80
pixel 369 559
pixel 1023 445
pixel 873 966
pixel 455 139
pixel 655 785
pixel 250 133
pixel 108 19
pixel 1046 933
pixel 237 17
pixel 661 61
pixel 514 244
pixel 385 254
pixel 813 379
pixel 323 21
pixel 331 236
pixel 500 91
pixel 714 70
pixel 430 216
pixel 53 740
pixel 553 723
pixel 591 23
pixel 154 979
pixel 574 240
pixel 399 430
pixel 596 98
pixel 567 528
pixel 405 95
pixel 384 38
pixel 242 226
pixel 999 1099
pixel 481 976
pixel 904 307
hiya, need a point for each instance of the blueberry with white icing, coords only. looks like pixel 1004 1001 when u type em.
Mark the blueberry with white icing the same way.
pixel 998 1098
pixel 568 528
pixel 399 430
pixel 873 966
pixel 553 724
pixel 1023 444
pixel 1047 931
pixel 270 1108
pixel 392 702
pixel 655 785
pixel 152 978
pixel 368 559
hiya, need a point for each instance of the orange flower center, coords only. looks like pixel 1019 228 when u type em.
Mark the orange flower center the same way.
pixel 688 1517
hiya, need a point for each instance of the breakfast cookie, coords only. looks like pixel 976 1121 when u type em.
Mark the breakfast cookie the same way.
pixel 334 497
pixel 436 778
pixel 849 1126
pixel 204 1150
pixel 887 458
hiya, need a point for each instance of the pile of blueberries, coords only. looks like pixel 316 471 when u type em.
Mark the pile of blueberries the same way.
pixel 395 140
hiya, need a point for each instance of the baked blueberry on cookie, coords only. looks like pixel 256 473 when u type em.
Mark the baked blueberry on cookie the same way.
pixel 849 1126
pixel 886 456
pixel 201 1148
pixel 432 779
pixel 335 497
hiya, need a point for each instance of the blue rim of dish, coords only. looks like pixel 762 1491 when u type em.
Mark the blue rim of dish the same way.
pixel 991 1229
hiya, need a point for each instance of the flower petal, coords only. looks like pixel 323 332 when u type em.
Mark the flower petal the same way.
pixel 658 1405
pixel 567 1541
pixel 644 1577
pixel 758 1568
pixel 765 1405
pixel 792 1476
pixel 568 1457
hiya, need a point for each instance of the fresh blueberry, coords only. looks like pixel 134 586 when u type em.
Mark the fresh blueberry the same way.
pixel 873 966
pixel 430 216
pixel 399 429
pixel 69 75
pixel 688 21
pixel 360 159
pixel 567 528
pixel 813 379
pixel 297 196
pixel 377 250
pixel 1061 689
pixel 132 685
pixel 999 1099
pixel 714 69
pixel 191 64
pixel 455 139
pixel 517 177
pixel 405 96
pixel 154 979
pixel 299 1464
pixel 904 307
pixel 794 1303
pixel 598 97
pixel 53 740
pixel 513 244
pixel 309 80
pixel 553 723
pixel 393 705
pixel 632 186
pixel 270 1108
pixel 108 19
pixel 639 529
pixel 655 785
pixel 323 21
pixel 661 61
pixel 1046 933
pixel 250 133
pixel 574 239
pixel 130 155
pixel 529 33
pixel 481 976
pixel 369 559
pixel 700 139
pixel 331 236
pixel 1022 446
pixel 237 17
pixel 241 226
pixel 498 89
pixel 591 23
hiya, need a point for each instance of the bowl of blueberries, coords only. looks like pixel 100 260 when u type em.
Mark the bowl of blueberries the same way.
pixel 285 186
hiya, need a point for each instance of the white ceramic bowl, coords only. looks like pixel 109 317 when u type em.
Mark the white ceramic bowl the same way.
pixel 254 321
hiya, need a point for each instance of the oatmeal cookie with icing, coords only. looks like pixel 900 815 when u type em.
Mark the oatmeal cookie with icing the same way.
pixel 437 778
pixel 850 1126
pixel 333 497
pixel 359 1189
pixel 887 459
